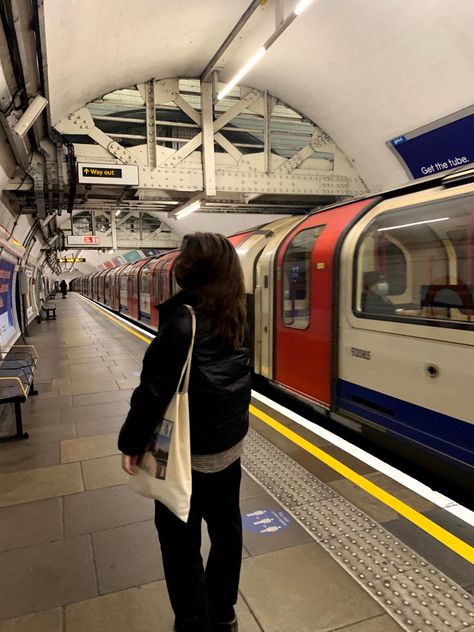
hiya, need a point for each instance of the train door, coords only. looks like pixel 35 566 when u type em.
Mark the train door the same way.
pixel 132 291
pixel 95 286
pixel 154 290
pixel 249 250
pixel 101 287
pixel 263 310
pixel 144 313
pixel 115 288
pixel 304 303
pixel 162 289
pixel 108 287
pixel 123 285
pixel 169 285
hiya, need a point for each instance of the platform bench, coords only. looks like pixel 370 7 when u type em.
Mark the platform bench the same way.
pixel 17 367
pixel 50 310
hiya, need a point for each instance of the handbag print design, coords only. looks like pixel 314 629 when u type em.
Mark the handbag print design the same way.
pixel 165 469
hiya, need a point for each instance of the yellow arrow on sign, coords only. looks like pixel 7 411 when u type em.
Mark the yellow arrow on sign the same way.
pixel 86 170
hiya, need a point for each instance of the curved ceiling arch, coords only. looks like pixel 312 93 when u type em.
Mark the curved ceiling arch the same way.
pixel 364 70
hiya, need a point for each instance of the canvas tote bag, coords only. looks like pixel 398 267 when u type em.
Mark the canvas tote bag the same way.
pixel 165 469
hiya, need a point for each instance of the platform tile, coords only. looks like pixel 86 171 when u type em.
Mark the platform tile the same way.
pixel 103 472
pixel 103 425
pixel 83 387
pixel 382 623
pixel 45 621
pixel 91 447
pixel 17 456
pixel 31 523
pixel 139 610
pixel 95 411
pixel 39 577
pixel 127 556
pixel 101 398
pixel 101 509
pixel 303 589
pixel 45 482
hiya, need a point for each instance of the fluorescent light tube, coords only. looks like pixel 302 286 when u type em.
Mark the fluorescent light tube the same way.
pixel 426 221
pixel 242 72
pixel 117 213
pixel 301 6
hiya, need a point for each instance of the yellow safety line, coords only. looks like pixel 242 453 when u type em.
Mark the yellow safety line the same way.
pixel 445 537
pixel 116 320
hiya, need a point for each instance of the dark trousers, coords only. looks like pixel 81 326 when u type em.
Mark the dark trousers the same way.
pixel 199 595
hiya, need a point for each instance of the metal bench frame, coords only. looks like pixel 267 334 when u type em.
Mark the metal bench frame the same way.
pixel 17 367
pixel 47 308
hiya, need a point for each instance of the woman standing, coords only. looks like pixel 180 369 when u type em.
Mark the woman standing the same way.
pixel 209 273
pixel 63 288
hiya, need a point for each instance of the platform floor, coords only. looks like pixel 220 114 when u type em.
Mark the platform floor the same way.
pixel 78 549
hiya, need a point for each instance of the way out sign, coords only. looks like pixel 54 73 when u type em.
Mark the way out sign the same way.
pixel 90 173
pixel 266 521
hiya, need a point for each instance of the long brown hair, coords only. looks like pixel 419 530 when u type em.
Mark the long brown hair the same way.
pixel 209 265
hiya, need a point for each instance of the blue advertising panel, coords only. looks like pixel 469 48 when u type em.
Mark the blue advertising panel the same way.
pixel 132 256
pixel 7 319
pixel 443 145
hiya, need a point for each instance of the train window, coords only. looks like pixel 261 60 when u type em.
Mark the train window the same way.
pixel 418 262
pixel 296 278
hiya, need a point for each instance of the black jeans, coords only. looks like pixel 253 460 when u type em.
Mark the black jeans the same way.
pixel 200 595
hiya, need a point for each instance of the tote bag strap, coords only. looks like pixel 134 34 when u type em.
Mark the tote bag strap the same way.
pixel 186 372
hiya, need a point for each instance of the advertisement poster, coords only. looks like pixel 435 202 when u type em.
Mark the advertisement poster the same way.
pixel 441 146
pixel 7 319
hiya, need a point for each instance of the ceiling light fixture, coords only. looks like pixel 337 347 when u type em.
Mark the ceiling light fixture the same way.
pixel 241 74
pixel 301 6
pixel 426 221
pixel 117 213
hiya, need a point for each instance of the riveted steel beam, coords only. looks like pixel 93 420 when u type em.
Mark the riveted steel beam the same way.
pixel 266 132
pixel 208 158
pixel 150 123
pixel 218 124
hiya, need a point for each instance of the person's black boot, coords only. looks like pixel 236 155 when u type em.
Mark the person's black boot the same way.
pixel 230 626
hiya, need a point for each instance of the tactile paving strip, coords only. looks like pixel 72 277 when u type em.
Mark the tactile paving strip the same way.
pixel 414 593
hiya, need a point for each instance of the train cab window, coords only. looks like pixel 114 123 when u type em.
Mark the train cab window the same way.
pixel 418 263
pixel 297 277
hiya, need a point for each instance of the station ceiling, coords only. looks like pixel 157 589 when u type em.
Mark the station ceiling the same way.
pixel 365 71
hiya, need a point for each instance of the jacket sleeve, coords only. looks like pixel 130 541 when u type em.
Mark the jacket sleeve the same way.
pixel 162 366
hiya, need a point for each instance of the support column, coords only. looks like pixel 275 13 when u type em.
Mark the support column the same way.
pixel 207 122
pixel 150 123
pixel 113 225
pixel 266 133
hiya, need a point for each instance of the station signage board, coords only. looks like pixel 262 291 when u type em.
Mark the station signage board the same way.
pixel 83 240
pixel 102 173
pixel 72 260
pixel 443 145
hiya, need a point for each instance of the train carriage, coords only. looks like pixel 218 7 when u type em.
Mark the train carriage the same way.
pixel 397 356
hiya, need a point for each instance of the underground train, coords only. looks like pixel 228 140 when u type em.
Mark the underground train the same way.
pixel 364 310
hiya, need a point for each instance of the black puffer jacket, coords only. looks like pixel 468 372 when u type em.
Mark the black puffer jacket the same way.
pixel 219 388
